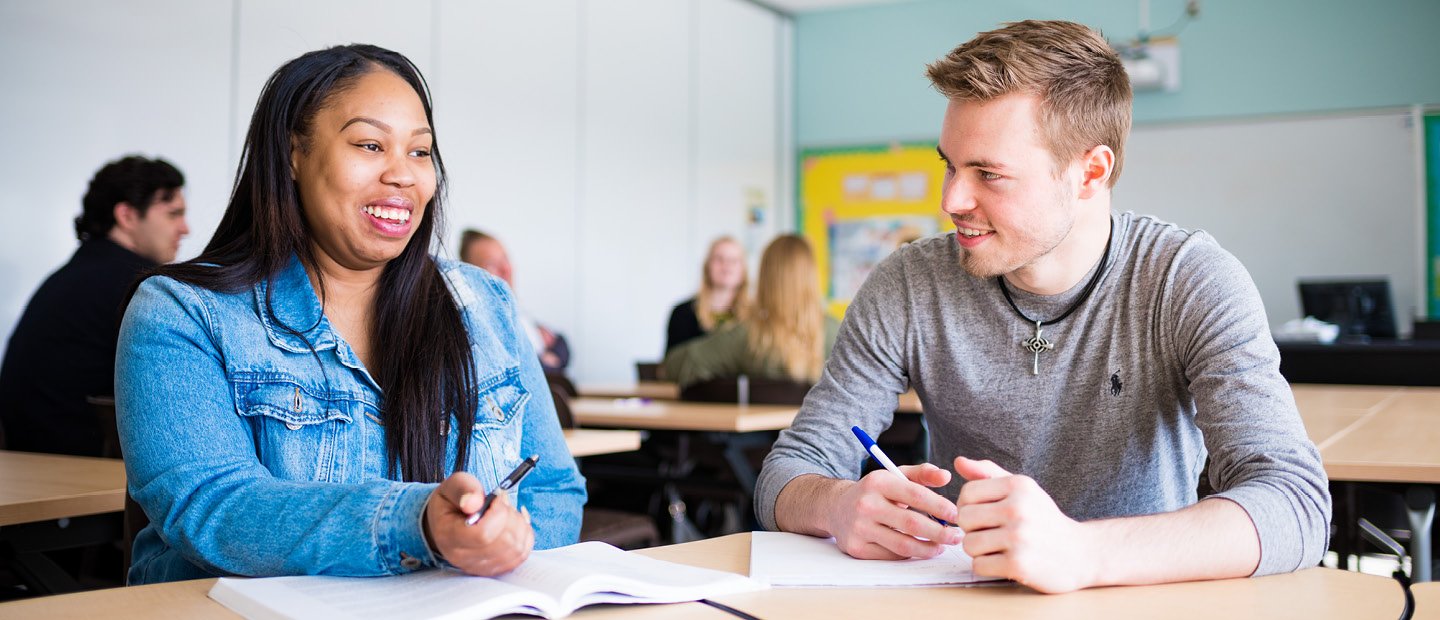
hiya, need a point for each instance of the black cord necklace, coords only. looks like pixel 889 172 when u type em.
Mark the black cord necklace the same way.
pixel 1038 343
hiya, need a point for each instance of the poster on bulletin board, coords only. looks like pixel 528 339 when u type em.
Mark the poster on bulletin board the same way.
pixel 857 205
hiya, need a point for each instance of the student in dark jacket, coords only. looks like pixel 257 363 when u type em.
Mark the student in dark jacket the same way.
pixel 63 348
pixel 724 295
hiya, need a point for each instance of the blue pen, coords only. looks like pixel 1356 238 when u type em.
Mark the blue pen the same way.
pixel 884 461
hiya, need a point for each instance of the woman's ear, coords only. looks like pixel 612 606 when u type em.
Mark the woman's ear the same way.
pixel 295 153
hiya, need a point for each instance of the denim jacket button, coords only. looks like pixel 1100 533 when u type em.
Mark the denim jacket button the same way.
pixel 410 562
pixel 292 426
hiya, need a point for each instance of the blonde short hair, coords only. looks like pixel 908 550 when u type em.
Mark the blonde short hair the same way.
pixel 1084 93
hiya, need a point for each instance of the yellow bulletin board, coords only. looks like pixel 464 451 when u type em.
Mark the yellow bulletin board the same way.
pixel 857 205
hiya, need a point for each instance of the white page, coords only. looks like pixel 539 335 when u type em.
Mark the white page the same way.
pixel 782 559
pixel 590 572
pixel 423 594
pixel 553 582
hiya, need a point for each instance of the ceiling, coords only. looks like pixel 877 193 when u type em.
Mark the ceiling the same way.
pixel 802 6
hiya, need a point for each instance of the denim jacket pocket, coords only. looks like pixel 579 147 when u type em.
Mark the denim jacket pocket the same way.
pixel 498 424
pixel 300 432
pixel 502 398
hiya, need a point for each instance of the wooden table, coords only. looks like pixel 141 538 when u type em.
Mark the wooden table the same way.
pixel 1312 593
pixel 658 390
pixel 736 429
pixel 1427 600
pixel 592 441
pixel 41 487
pixel 1381 434
pixel 909 402
pixel 682 416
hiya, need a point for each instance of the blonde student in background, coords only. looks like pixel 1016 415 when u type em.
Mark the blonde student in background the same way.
pixel 315 394
pixel 1075 364
pixel 786 335
pixel 724 295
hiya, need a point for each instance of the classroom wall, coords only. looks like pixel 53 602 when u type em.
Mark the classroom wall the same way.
pixel 861 71
pixel 1248 70
pixel 604 142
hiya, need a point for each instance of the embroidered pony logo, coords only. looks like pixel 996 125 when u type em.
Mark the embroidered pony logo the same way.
pixel 1115 385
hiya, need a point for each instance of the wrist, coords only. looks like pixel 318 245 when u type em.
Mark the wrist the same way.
pixel 428 537
pixel 1100 561
pixel 806 504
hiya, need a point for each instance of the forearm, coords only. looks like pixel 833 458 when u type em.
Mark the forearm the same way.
pixel 804 503
pixel 1213 539
pixel 311 528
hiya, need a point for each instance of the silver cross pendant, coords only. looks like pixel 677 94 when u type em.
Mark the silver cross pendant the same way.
pixel 1036 345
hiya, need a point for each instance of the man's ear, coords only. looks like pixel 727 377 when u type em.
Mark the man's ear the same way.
pixel 1095 168
pixel 127 217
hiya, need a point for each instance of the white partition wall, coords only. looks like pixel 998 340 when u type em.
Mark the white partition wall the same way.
pixel 1341 190
pixel 604 142
pixel 271 32
pixel 635 187
pixel 85 82
pixel 508 132
pixel 738 113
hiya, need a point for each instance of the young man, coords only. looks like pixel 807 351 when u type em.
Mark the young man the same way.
pixel 485 251
pixel 1076 364
pixel 63 348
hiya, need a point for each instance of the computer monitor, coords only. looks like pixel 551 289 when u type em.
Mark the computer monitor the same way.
pixel 1361 307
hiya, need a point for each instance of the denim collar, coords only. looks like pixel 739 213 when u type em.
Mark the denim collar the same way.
pixel 296 305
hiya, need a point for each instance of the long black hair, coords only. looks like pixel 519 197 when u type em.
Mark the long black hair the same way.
pixel 421 349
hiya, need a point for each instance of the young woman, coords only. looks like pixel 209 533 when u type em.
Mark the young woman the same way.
pixel 316 394
pixel 787 334
pixel 723 295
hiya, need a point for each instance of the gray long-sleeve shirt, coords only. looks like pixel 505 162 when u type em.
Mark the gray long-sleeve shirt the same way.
pixel 1169 358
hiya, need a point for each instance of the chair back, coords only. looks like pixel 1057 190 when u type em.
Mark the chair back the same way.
pixel 760 391
pixel 562 408
pixel 558 381
pixel 135 520
pixel 1426 330
pixel 647 371
pixel 104 409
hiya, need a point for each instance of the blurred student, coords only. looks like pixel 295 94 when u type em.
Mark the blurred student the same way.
pixel 63 348
pixel 723 296
pixel 787 335
pixel 485 251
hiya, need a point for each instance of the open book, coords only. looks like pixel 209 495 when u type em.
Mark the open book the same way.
pixel 795 560
pixel 552 583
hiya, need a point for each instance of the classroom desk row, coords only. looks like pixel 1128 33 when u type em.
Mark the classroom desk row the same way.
pixel 41 487
pixel 1312 593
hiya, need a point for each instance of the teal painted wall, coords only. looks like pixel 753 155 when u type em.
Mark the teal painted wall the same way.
pixel 860 72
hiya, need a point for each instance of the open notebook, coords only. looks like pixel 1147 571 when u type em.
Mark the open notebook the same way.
pixel 552 583
pixel 795 560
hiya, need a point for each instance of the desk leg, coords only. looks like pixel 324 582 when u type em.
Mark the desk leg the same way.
pixel 682 530
pixel 1420 506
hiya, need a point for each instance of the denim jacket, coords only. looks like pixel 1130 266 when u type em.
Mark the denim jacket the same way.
pixel 252 460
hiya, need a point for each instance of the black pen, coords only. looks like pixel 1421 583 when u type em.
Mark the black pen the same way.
pixel 505 485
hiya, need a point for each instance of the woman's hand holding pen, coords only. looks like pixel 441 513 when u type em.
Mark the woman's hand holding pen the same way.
pixel 1014 530
pixel 498 542
pixel 871 519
